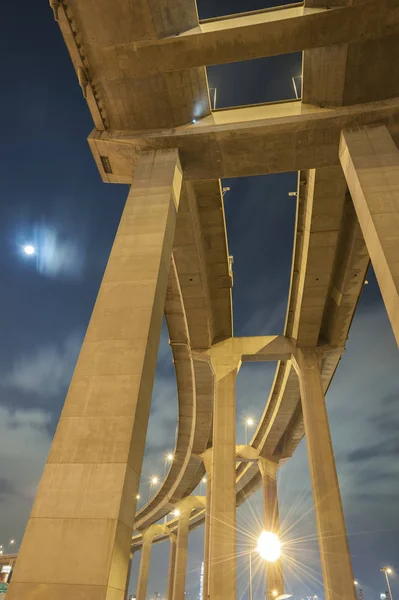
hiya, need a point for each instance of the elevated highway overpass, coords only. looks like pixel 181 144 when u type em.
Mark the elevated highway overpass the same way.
pixel 141 67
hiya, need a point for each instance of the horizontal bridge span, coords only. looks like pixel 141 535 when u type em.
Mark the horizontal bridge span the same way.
pixel 257 34
pixel 251 140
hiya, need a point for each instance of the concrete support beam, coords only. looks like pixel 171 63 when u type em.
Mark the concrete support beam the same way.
pixel 253 349
pixel 141 592
pixel 83 514
pixel 370 160
pixel 333 543
pixel 271 522
pixel 220 463
pixel 207 535
pixel 251 140
pixel 256 34
pixel 171 569
pixel 128 575
pixel 179 585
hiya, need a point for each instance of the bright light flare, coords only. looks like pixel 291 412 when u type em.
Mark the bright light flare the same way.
pixel 29 249
pixel 169 457
pixel 249 422
pixel 203 480
pixel 269 546
pixel 154 480
pixel 176 512
pixel 356 582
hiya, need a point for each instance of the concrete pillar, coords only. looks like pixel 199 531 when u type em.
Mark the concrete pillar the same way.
pixel 222 558
pixel 208 467
pixel 79 534
pixel 271 522
pixel 128 575
pixel 172 563
pixel 146 548
pixel 181 556
pixel 370 160
pixel 333 542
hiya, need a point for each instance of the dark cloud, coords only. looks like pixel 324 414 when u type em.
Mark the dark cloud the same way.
pixel 6 487
pixel 388 448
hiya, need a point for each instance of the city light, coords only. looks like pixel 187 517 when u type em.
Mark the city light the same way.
pixel 356 582
pixel 169 457
pixel 269 546
pixel 12 542
pixel 29 249
pixel 154 480
pixel 249 422
pixel 176 512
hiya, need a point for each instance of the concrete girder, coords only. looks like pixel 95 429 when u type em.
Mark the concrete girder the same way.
pixel 251 140
pixel 260 33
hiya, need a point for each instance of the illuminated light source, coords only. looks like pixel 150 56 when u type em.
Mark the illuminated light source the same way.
pixel 12 542
pixel 169 456
pixel 138 497
pixel 29 249
pixel 275 593
pixel 249 422
pixel 269 546
pixel 154 480
pixel 388 570
pixel 203 480
pixel 356 582
pixel 194 121
pixel 176 512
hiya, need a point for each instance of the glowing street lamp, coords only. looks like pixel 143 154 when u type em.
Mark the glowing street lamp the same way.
pixel 249 422
pixel 388 571
pixel 154 480
pixel 168 459
pixel 269 546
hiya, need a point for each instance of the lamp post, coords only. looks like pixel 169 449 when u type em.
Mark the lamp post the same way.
pixel 250 574
pixel 153 481
pixel 388 571
pixel 248 423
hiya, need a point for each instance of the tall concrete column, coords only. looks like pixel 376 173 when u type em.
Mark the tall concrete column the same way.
pixel 222 565
pixel 333 542
pixel 79 534
pixel 129 569
pixel 208 466
pixel 271 522
pixel 179 586
pixel 144 571
pixel 171 569
pixel 370 160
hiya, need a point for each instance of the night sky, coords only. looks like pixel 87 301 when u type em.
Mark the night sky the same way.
pixel 51 196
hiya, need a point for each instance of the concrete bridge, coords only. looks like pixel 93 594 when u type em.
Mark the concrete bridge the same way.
pixel 141 67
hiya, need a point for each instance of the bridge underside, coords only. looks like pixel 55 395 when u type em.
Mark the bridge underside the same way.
pixel 142 69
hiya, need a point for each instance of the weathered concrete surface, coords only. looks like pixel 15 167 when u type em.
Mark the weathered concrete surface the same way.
pixel 334 551
pixel 82 519
pixel 256 34
pixel 271 522
pixel 221 466
pixel 370 161
pixel 252 140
